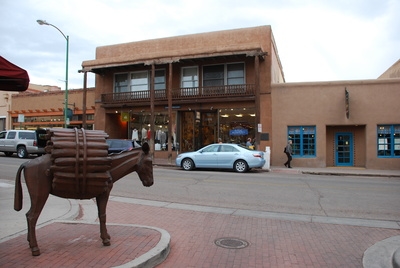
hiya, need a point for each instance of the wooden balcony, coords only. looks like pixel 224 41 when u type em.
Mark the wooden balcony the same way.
pixel 181 95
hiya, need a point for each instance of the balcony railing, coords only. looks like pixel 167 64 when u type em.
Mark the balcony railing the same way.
pixel 230 91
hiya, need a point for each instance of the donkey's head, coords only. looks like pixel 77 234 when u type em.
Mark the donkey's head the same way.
pixel 145 166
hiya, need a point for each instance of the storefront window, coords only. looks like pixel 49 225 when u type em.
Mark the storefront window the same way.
pixel 208 128
pixel 388 140
pixel 189 131
pixel 140 129
pixel 303 140
pixel 237 125
pixel 2 123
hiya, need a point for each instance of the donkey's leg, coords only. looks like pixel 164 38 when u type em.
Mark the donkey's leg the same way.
pixel 101 201
pixel 39 185
pixel 27 224
pixel 37 204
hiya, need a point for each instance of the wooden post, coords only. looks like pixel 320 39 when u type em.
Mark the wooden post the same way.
pixel 257 99
pixel 151 141
pixel 169 90
pixel 84 100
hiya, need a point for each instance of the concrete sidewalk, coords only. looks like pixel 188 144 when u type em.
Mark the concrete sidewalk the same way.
pixel 337 171
pixel 181 235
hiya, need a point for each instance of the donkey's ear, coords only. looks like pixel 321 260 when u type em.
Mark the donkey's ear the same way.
pixel 146 148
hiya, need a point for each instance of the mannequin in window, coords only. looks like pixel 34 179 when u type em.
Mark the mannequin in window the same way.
pixel 135 135
pixel 144 133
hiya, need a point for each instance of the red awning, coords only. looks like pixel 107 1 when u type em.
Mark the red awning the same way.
pixel 12 77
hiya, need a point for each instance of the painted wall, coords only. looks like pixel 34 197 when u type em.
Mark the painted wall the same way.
pixel 322 104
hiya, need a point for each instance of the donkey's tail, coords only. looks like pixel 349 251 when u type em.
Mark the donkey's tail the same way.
pixel 18 189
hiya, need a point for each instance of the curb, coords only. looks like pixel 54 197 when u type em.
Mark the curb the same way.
pixel 311 172
pixel 385 253
pixel 331 173
pixel 85 212
pixel 396 258
pixel 153 257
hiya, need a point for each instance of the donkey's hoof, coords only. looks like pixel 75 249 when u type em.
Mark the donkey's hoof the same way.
pixel 35 251
pixel 106 242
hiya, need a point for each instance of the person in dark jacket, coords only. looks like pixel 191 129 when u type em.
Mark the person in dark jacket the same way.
pixel 288 152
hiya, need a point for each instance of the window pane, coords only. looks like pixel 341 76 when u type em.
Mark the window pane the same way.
pixel 303 140
pixel 235 74
pixel 235 70
pixel 189 77
pixel 159 79
pixel 388 140
pixel 212 148
pixel 121 83
pixel 235 81
pixel 139 81
pixel 213 75
pixel 396 142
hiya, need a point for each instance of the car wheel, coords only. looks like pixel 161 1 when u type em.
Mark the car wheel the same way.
pixel 187 164
pixel 22 152
pixel 8 153
pixel 240 166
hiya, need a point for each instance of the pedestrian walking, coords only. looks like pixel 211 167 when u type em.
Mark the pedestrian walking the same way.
pixel 288 151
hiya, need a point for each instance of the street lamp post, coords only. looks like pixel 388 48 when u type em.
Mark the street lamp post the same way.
pixel 43 22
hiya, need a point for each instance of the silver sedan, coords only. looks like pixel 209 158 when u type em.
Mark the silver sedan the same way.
pixel 222 155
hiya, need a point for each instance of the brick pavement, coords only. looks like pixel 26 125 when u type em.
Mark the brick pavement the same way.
pixel 66 245
pixel 272 242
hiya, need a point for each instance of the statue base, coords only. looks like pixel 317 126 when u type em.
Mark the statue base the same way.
pixel 72 243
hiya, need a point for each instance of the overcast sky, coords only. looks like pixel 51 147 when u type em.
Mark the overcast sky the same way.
pixel 320 40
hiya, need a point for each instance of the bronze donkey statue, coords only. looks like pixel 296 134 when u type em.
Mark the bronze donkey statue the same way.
pixel 40 181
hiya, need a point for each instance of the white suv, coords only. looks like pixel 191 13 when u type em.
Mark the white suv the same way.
pixel 23 142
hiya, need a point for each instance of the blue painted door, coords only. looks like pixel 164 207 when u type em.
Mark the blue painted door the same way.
pixel 344 149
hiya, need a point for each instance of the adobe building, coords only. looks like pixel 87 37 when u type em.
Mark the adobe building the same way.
pixel 45 109
pixel 6 102
pixel 338 124
pixel 392 72
pixel 182 93
pixel 190 90
pixel 5 106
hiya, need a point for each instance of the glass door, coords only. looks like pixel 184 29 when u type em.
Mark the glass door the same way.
pixel 344 149
pixel 198 130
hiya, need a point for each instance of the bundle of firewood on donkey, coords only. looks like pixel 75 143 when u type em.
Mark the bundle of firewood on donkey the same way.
pixel 80 162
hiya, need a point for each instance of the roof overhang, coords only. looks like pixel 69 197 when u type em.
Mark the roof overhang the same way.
pixel 99 65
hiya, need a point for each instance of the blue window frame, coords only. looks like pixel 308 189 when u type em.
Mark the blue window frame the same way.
pixel 388 140
pixel 303 140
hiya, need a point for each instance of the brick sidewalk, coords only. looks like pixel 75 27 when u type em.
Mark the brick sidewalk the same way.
pixel 272 243
pixel 79 245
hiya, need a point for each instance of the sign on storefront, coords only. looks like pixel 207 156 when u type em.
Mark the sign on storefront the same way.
pixel 238 132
